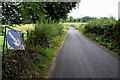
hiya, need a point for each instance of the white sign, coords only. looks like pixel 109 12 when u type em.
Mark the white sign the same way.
pixel 14 40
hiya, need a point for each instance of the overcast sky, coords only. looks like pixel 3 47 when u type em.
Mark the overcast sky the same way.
pixel 96 8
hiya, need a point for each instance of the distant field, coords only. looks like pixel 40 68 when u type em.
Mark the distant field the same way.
pixel 74 23
pixel 22 28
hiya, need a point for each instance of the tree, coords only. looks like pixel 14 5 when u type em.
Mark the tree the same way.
pixel 86 19
pixel 58 10
pixel 17 13
pixel 71 18
pixel 74 20
pixel 10 13
pixel 33 11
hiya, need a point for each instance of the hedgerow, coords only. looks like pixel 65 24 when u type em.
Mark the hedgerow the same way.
pixel 105 31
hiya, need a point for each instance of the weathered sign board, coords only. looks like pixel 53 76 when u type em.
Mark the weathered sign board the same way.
pixel 14 39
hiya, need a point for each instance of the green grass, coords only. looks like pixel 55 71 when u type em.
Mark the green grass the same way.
pixel 1 42
pixel 76 25
pixel 48 53
pixel 73 23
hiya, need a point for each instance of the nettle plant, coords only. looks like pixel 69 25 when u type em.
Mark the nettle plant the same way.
pixel 44 32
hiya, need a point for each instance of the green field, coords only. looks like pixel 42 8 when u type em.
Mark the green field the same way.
pixel 1 42
pixel 22 28
pixel 73 23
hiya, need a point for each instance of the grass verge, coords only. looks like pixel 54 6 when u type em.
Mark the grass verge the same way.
pixel 35 62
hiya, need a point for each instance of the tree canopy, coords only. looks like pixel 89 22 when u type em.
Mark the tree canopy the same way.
pixel 30 12
pixel 59 10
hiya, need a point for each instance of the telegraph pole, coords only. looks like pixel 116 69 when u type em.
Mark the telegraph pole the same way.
pixel 81 18
pixel 118 10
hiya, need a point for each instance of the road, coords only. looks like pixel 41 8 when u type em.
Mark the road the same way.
pixel 80 57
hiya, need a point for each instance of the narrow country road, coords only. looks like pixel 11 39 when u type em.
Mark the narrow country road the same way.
pixel 81 58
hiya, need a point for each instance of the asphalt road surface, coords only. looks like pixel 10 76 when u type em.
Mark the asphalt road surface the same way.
pixel 81 58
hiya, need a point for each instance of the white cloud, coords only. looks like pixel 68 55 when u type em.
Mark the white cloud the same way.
pixel 96 8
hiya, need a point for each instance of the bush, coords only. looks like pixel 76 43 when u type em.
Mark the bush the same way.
pixel 101 26
pixel 44 32
pixel 72 25
pixel 105 31
pixel 82 28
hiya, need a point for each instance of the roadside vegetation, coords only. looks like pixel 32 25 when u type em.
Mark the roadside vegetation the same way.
pixel 105 31
pixel 42 45
pixel 76 25
pixel 43 36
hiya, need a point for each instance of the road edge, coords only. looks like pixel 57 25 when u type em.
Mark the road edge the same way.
pixel 53 63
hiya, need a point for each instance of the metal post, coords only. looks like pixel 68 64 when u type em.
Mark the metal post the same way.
pixel 4 40
pixel 23 36
pixel 3 44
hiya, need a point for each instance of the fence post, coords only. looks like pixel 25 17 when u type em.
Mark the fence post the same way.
pixel 30 37
pixel 23 36
pixel 27 33
pixel 2 31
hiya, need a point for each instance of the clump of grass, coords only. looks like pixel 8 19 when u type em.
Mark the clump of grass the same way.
pixel 46 52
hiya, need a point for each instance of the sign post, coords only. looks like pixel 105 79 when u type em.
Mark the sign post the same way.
pixel 4 40
pixel 14 40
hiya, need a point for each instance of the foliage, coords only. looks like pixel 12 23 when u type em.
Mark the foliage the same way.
pixel 45 52
pixel 71 19
pixel 11 13
pixel 74 26
pixel 30 12
pixel 59 10
pixel 37 59
pixel 82 28
pixel 87 18
pixel 105 31
pixel 101 27
pixel 44 32
pixel 16 69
